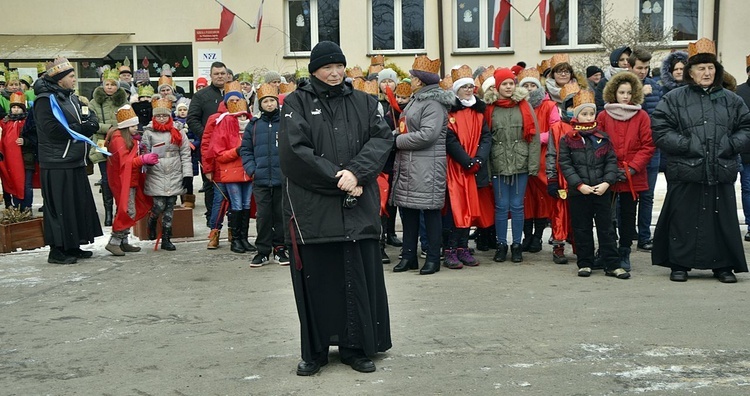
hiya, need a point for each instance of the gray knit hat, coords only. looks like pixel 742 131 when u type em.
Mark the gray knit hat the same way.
pixel 271 75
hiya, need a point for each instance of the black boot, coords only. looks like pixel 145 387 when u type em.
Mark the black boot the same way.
pixel 528 230
pixel 516 254
pixel 406 264
pixel 429 267
pixel 234 219
pixel 536 239
pixel 152 227
pixel 384 256
pixel 166 239
pixel 244 228
pixel 492 238
pixel 481 240
pixel 108 204
pixel 501 253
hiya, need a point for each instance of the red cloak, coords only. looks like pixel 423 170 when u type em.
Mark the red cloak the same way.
pixel 124 172
pixel 12 171
pixel 537 203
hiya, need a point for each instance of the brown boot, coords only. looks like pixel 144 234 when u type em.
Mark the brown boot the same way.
pixel 558 254
pixel 213 239
pixel 114 249
pixel 188 201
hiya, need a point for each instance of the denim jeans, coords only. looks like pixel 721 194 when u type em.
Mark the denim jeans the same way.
pixel 646 200
pixel 509 192
pixel 28 191
pixel 216 219
pixel 239 195
pixel 745 186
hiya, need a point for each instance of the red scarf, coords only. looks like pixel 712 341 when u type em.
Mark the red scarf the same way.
pixel 526 113
pixel 169 127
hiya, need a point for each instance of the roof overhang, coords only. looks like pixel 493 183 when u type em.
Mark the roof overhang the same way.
pixel 50 46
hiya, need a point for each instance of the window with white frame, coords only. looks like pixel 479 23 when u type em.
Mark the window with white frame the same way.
pixel 310 22
pixel 682 16
pixel 396 25
pixel 473 26
pixel 574 23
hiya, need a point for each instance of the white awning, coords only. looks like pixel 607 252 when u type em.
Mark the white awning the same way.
pixel 50 46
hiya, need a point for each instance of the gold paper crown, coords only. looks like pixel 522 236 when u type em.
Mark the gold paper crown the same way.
pixel 368 87
pixel 556 59
pixel 165 80
pixel 702 46
pixel 446 83
pixel 125 113
pixel 232 86
pixel 28 79
pixel 58 66
pixel 531 72
pixel 302 73
pixel 377 60
pixel 146 90
pixel 425 64
pixel 285 88
pixel 265 90
pixel 487 73
pixel 355 72
pixel 161 103
pixel 237 106
pixel 111 74
pixel 461 72
pixel 543 67
pixel 245 77
pixel 403 89
pixel 40 68
pixel 569 89
pixel 583 96
pixel 12 75
pixel 18 98
pixel 374 69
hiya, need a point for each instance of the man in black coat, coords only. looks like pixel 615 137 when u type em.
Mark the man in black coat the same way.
pixel 205 102
pixel 333 143
pixel 743 90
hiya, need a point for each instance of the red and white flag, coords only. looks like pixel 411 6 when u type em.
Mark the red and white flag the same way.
pixel 226 26
pixel 502 9
pixel 544 15
pixel 259 21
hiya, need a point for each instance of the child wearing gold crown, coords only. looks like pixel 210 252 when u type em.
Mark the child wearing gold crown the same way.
pixel 16 155
pixel 126 180
pixel 589 164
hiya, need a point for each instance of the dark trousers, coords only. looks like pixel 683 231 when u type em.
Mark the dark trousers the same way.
pixel 433 226
pixel 626 224
pixel 456 237
pixel 208 197
pixel 585 209
pixel 268 220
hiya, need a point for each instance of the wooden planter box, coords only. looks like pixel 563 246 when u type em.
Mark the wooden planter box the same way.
pixel 25 235
pixel 182 225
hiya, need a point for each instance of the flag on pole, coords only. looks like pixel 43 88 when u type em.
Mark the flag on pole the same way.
pixel 544 15
pixel 259 21
pixel 502 9
pixel 226 26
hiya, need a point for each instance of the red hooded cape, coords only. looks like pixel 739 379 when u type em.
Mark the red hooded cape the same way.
pixel 11 168
pixel 124 172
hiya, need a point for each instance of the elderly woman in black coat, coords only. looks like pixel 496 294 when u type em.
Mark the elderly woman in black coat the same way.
pixel 703 127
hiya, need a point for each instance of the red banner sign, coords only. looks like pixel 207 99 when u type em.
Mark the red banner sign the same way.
pixel 207 35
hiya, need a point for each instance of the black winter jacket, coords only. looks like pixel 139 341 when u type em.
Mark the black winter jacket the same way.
pixel 587 159
pixel 56 148
pixel 324 130
pixel 260 150
pixel 702 132
pixel 204 103
pixel 454 149
pixel 743 90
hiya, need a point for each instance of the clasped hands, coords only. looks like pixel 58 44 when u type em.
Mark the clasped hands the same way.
pixel 598 189
pixel 348 183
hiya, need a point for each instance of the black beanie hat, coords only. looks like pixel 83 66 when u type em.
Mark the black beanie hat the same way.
pixel 325 52
pixel 591 70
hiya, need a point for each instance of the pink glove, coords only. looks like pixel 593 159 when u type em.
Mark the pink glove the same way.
pixel 137 137
pixel 544 137
pixel 150 159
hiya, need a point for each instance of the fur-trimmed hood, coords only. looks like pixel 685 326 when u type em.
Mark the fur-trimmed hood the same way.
pixel 610 90
pixel 519 94
pixel 667 81
pixel 434 92
pixel 119 98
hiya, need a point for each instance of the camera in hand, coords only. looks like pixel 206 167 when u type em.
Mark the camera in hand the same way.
pixel 350 201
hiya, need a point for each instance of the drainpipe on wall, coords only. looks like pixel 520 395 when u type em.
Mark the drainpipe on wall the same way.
pixel 441 52
pixel 717 4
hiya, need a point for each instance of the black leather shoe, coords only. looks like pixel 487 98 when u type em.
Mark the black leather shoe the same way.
pixel 429 268
pixel 78 253
pixel 679 276
pixel 309 368
pixel 747 236
pixel 57 256
pixel 362 364
pixel 393 240
pixel 725 277
pixel 646 246
pixel 406 264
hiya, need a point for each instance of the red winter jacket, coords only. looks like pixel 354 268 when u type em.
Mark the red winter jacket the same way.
pixel 633 144
pixel 225 141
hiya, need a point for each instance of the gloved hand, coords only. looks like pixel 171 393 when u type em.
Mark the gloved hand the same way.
pixel 137 136
pixel 621 175
pixel 631 170
pixel 150 159
pixel 552 189
pixel 186 182
pixel 475 165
